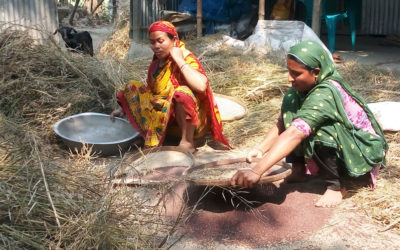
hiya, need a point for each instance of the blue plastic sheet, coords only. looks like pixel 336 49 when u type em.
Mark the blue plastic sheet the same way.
pixel 221 11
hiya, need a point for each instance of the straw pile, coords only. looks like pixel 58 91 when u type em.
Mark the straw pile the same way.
pixel 118 44
pixel 50 198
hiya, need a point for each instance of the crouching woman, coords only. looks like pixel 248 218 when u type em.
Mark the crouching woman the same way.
pixel 176 98
pixel 323 123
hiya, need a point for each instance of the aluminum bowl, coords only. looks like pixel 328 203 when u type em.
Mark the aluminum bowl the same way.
pixel 98 131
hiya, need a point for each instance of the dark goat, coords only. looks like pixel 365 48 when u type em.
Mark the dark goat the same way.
pixel 79 41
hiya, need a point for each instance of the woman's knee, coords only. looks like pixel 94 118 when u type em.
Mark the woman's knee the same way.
pixel 179 109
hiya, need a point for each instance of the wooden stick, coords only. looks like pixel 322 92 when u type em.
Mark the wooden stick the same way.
pixel 114 11
pixel 259 87
pixel 97 6
pixel 316 17
pixel 46 185
pixel 202 54
pixel 261 10
pixel 199 18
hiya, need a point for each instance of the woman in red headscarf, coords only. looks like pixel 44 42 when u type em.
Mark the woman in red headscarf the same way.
pixel 176 98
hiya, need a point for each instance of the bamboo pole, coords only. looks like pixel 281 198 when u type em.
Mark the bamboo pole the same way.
pixel 316 17
pixel 114 11
pixel 131 19
pixel 135 20
pixel 261 10
pixel 199 18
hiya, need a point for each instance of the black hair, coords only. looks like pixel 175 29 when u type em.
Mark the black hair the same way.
pixel 303 65
pixel 170 36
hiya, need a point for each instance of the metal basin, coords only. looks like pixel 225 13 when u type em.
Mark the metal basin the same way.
pixel 98 131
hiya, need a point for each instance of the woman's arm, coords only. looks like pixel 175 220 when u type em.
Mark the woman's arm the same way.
pixel 196 80
pixel 271 137
pixel 283 146
pixel 268 141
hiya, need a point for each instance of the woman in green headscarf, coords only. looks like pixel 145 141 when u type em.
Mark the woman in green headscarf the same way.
pixel 323 124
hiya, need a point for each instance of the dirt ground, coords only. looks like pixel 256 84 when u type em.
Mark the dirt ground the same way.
pixel 344 230
pixel 296 223
pixel 283 217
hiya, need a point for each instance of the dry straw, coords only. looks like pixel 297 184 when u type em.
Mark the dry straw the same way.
pixel 50 198
pixel 118 44
pixel 77 209
pixel 382 204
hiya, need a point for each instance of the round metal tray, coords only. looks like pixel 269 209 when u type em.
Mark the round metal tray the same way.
pixel 275 173
pixel 97 131
pixel 150 167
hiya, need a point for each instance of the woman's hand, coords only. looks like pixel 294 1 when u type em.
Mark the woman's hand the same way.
pixel 245 178
pixel 143 89
pixel 117 113
pixel 177 55
pixel 195 80
pixel 157 104
pixel 254 153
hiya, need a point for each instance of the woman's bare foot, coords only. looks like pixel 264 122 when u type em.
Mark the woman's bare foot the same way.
pixel 331 198
pixel 187 146
pixel 337 58
pixel 298 173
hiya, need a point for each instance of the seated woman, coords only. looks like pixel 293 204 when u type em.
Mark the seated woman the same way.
pixel 323 123
pixel 177 93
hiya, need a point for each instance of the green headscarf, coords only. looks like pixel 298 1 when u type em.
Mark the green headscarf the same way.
pixel 323 109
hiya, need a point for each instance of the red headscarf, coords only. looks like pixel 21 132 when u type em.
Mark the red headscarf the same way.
pixel 164 26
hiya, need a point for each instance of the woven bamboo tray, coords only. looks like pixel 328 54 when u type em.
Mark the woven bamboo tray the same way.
pixel 230 108
pixel 219 173
pixel 156 166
